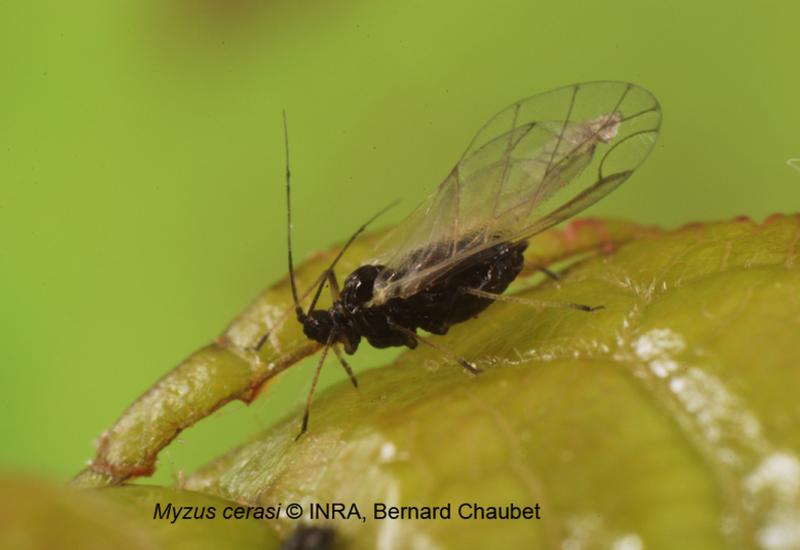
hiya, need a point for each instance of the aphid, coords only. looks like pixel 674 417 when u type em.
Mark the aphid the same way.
pixel 531 166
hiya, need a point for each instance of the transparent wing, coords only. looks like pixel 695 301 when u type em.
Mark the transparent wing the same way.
pixel 531 166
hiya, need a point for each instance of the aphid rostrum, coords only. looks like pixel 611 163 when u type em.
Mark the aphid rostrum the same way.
pixel 532 165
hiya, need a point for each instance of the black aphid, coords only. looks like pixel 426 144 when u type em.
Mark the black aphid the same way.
pixel 531 166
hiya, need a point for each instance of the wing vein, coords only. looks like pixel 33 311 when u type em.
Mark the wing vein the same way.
pixel 532 165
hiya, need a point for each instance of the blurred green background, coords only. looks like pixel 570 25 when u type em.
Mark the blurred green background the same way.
pixel 141 164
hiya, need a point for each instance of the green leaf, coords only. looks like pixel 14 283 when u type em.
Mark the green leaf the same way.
pixel 668 419
pixel 225 371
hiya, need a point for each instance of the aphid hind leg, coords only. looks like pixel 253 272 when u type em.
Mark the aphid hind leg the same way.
pixel 415 338
pixel 528 301
pixel 310 397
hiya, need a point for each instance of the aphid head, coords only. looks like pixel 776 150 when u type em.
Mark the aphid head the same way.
pixel 317 325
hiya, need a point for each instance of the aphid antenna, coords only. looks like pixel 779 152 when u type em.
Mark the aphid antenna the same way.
pixel 298 310
pixel 319 284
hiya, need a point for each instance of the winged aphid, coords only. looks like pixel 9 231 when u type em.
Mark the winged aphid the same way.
pixel 532 165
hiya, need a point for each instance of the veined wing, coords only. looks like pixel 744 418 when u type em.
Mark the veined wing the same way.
pixel 531 166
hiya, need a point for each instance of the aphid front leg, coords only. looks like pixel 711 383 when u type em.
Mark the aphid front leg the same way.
pixel 304 425
pixel 336 294
pixel 440 348
pixel 528 301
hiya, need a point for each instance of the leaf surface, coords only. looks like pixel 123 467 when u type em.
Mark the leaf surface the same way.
pixel 224 370
pixel 668 418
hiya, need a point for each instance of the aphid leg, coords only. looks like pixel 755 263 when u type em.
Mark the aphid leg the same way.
pixel 550 273
pixel 334 285
pixel 304 425
pixel 330 277
pixel 345 366
pixel 528 301
pixel 440 348
pixel 320 285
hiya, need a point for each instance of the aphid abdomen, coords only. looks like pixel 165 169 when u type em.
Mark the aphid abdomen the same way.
pixel 444 304
pixel 433 309
pixel 375 325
